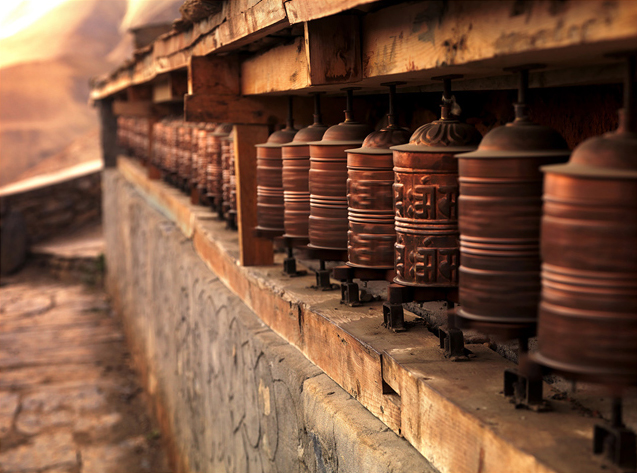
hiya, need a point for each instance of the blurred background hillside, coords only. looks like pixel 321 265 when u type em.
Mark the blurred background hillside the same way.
pixel 49 49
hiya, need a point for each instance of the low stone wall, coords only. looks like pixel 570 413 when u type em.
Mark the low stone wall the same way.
pixel 52 206
pixel 230 393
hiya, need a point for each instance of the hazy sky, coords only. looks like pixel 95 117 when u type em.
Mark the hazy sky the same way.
pixel 16 15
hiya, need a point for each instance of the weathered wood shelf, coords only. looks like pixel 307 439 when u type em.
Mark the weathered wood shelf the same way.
pixel 411 41
pixel 453 413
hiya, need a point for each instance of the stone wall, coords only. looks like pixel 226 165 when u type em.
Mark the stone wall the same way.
pixel 50 208
pixel 230 393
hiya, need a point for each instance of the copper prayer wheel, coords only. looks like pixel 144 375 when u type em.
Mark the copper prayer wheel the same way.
pixel 295 176
pixel 370 177
pixel 587 322
pixel 426 199
pixel 214 170
pixel 229 180
pixel 270 204
pixel 172 151
pixel 328 224
pixel 499 211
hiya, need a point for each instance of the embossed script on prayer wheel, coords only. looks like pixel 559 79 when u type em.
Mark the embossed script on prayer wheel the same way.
pixel 587 325
pixel 426 199
pixel 328 224
pixel 296 168
pixel 270 205
pixel 214 170
pixel 500 207
pixel 370 171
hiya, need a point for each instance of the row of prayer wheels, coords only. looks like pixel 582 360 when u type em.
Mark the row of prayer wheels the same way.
pixel 133 137
pixel 536 240
pixel 199 159
pixel 535 243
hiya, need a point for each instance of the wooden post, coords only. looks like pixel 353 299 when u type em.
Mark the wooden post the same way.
pixel 254 251
pixel 334 58
pixel 108 133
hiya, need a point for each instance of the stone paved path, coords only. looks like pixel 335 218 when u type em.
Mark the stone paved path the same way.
pixel 69 400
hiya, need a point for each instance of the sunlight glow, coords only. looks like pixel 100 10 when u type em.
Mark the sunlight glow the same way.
pixel 16 15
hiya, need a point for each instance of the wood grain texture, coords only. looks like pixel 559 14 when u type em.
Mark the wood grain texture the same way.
pixel 268 110
pixel 142 108
pixel 334 58
pixel 281 68
pixel 452 413
pixel 430 36
pixel 412 41
pixel 214 75
pixel 306 10
pixel 254 251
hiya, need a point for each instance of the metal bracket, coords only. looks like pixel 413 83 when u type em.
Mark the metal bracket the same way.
pixel 394 317
pixel 452 342
pixel 618 443
pixel 524 392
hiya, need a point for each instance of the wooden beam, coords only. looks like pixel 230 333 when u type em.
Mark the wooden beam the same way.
pixel 334 58
pixel 269 110
pixel 214 75
pixel 142 108
pixel 432 36
pixel 254 251
pixel 306 10
pixel 280 68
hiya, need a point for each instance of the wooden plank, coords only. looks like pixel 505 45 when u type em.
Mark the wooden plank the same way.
pixel 254 251
pixel 170 87
pixel 133 109
pixel 214 75
pixel 281 68
pixel 431 36
pixel 306 10
pixel 453 413
pixel 334 58
pixel 268 110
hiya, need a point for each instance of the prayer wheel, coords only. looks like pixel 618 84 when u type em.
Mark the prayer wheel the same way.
pixel 214 170
pixel 328 222
pixel 587 321
pixel 270 204
pixel 229 180
pixel 370 171
pixel 295 176
pixel 499 212
pixel 426 198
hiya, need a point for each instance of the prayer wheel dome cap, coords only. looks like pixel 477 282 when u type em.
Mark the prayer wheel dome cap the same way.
pixel 612 155
pixel 519 139
pixel 279 138
pixel 345 133
pixel 380 142
pixel 441 136
pixel 307 134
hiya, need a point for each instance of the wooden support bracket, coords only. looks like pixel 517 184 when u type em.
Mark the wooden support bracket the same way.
pixel 211 75
pixel 254 251
pixel 334 58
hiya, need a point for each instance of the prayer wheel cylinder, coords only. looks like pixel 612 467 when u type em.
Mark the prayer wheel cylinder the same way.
pixel 587 321
pixel 295 179
pixel 328 224
pixel 214 170
pixel 270 203
pixel 371 235
pixel 499 212
pixel 425 201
